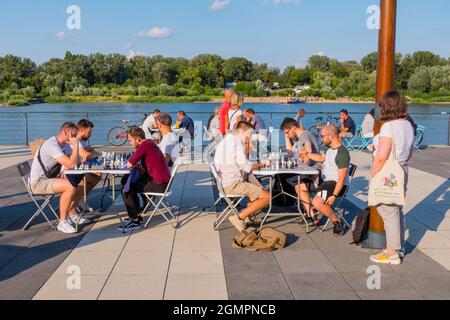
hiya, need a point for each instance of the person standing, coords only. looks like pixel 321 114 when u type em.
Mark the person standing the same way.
pixel 223 111
pixel 396 135
pixel 235 114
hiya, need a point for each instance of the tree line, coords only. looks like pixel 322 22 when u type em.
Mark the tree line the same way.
pixel 422 75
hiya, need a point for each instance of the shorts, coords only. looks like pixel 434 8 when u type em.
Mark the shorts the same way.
pixel 326 189
pixel 43 186
pixel 252 191
pixel 348 135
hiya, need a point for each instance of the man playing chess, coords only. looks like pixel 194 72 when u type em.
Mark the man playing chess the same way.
pixel 153 175
pixel 87 153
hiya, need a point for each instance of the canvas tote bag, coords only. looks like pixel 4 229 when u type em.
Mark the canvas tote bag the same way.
pixel 388 185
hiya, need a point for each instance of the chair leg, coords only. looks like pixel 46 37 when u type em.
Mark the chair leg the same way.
pixel 157 209
pixel 224 215
pixel 40 210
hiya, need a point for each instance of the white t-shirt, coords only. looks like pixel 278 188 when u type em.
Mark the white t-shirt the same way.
pixel 403 138
pixel 233 115
pixel 367 125
pixel 170 144
pixel 230 160
pixel 149 123
pixel 50 151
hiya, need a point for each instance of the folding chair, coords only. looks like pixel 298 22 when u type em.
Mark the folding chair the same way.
pixel 338 210
pixel 348 142
pixel 157 200
pixel 24 171
pixel 211 148
pixel 263 144
pixel 232 201
pixel 365 142
pixel 419 138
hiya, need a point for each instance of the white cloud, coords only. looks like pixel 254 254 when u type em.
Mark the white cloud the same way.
pixel 61 35
pixel 156 33
pixel 219 5
pixel 132 54
pixel 320 53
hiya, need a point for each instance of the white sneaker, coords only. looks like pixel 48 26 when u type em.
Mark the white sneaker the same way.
pixel 66 227
pixel 73 220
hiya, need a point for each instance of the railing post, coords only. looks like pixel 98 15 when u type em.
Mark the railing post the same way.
pixel 449 131
pixel 27 142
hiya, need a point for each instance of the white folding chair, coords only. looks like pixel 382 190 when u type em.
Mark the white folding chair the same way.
pixel 157 200
pixel 338 210
pixel 232 201
pixel 211 148
pixel 24 171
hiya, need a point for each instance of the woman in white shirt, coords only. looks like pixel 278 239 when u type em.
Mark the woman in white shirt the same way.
pixel 397 131
pixel 368 124
pixel 235 114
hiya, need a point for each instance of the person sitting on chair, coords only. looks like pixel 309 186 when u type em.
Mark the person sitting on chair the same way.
pixel 45 176
pixel 233 167
pixel 333 180
pixel 149 126
pixel 304 140
pixel 348 127
pixel 149 161
pixel 87 153
pixel 169 144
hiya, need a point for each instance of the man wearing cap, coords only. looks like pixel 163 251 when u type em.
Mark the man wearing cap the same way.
pixel 149 126
pixel 169 144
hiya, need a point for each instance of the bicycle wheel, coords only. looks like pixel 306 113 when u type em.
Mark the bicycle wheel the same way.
pixel 117 136
pixel 315 131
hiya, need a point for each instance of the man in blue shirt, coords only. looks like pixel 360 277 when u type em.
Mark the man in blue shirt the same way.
pixel 256 121
pixel 348 127
pixel 186 123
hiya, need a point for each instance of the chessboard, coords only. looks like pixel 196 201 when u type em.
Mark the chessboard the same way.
pixel 107 161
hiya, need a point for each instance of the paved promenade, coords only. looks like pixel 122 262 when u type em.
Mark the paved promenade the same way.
pixel 195 262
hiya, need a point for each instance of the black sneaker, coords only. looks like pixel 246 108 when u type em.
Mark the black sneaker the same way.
pixel 338 229
pixel 140 218
pixel 129 226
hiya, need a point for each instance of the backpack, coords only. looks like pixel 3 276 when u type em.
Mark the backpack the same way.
pixel 268 239
pixel 360 226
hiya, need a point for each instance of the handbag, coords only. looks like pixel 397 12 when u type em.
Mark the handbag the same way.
pixel 53 172
pixel 388 186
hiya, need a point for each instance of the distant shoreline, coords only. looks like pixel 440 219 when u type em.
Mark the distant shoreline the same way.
pixel 218 100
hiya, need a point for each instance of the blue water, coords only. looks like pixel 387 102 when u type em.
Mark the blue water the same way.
pixel 44 119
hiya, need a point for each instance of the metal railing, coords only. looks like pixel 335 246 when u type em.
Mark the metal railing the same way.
pixel 17 128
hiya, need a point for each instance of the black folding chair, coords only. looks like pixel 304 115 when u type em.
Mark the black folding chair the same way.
pixel 24 171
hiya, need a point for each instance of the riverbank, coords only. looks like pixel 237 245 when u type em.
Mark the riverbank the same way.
pixel 206 99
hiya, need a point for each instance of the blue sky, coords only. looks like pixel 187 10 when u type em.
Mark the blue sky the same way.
pixel 278 32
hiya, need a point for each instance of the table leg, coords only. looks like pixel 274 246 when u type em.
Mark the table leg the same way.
pixel 300 209
pixel 269 211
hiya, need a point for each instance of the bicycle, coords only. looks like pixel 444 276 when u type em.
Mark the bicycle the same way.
pixel 118 136
pixel 316 129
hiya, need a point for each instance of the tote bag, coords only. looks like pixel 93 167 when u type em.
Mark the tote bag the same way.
pixel 388 185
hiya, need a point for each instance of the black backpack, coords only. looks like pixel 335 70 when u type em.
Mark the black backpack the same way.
pixel 360 227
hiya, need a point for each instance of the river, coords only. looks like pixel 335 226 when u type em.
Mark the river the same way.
pixel 44 119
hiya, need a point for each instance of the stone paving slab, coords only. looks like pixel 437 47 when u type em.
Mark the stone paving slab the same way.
pixel 195 262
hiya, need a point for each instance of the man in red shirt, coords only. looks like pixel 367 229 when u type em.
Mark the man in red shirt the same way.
pixel 223 111
pixel 149 161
